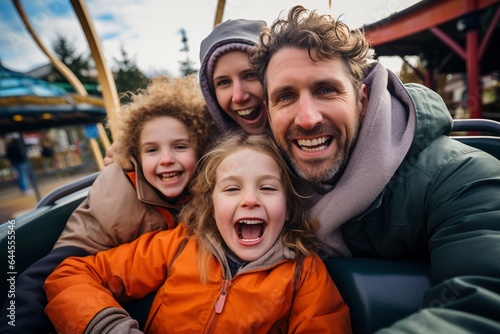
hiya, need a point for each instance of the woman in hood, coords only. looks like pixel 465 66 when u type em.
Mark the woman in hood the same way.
pixel 231 89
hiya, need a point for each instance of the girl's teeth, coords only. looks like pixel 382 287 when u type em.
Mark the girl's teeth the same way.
pixel 169 176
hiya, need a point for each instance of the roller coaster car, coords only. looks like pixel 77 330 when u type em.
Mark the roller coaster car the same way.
pixel 378 291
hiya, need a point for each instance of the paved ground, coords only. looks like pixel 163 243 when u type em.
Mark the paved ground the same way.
pixel 13 204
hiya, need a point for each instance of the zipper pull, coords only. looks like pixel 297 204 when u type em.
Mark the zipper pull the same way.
pixel 219 304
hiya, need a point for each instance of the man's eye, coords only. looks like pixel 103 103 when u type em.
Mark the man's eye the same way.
pixel 284 97
pixel 326 90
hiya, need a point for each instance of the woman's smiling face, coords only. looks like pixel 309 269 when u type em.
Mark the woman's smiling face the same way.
pixel 239 92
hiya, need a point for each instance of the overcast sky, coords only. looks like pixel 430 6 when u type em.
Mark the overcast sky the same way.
pixel 149 29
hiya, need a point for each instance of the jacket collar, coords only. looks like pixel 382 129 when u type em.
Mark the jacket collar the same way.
pixel 277 253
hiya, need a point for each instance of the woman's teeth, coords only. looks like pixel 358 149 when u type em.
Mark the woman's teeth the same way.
pixel 245 112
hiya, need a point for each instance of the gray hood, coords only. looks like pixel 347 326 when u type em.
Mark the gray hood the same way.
pixel 228 36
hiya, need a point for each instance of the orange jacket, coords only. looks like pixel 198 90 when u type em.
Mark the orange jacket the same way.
pixel 259 300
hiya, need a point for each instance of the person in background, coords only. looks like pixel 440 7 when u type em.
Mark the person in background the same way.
pixel 48 153
pixel 231 89
pixel 241 260
pixel 16 154
pixel 385 179
pixel 164 131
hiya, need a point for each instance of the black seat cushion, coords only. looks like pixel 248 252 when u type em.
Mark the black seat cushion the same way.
pixel 379 291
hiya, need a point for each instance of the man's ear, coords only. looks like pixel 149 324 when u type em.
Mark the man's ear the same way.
pixel 362 101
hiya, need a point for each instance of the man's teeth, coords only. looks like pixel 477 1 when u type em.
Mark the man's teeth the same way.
pixel 245 112
pixel 315 145
pixel 169 176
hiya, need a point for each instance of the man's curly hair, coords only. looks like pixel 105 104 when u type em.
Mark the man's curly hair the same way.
pixel 321 35
pixel 179 98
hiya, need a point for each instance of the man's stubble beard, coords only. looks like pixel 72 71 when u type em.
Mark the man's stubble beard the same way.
pixel 318 171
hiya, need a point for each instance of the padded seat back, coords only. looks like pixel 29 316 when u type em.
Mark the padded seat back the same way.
pixel 378 291
pixel 35 234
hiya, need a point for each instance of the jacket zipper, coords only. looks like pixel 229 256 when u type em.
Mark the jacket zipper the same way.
pixel 219 305
pixel 221 301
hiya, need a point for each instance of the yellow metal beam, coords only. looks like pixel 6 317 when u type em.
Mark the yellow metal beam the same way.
pixel 59 65
pixel 104 75
pixel 220 12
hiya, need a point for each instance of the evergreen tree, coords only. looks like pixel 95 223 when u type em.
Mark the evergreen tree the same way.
pixel 79 64
pixel 186 65
pixel 128 77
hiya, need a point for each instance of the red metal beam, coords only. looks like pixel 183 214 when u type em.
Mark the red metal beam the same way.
pixel 473 68
pixel 448 41
pixel 489 32
pixel 424 17
pixel 473 78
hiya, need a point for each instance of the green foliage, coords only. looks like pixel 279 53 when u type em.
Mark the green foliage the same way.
pixel 79 64
pixel 186 67
pixel 128 77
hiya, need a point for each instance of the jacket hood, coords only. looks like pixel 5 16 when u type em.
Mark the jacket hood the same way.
pixel 228 36
pixel 432 122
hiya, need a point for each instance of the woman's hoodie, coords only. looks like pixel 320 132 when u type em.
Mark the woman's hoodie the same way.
pixel 230 35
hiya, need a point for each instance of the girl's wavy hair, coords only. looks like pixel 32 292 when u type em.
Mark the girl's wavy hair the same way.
pixel 179 98
pixel 321 35
pixel 299 233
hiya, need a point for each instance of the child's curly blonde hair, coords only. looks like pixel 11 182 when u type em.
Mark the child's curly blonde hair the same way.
pixel 179 98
